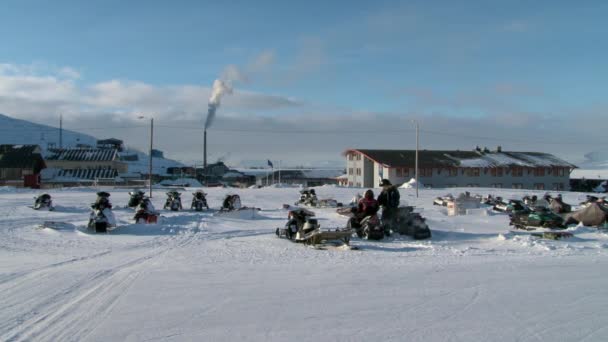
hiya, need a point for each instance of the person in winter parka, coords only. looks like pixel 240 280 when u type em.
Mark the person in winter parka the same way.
pixel 389 200
pixel 366 206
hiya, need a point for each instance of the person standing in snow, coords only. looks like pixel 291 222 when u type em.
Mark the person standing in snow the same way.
pixel 389 200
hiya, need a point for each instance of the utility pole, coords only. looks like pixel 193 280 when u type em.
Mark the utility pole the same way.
pixel 417 148
pixel 279 173
pixel 60 131
pixel 150 165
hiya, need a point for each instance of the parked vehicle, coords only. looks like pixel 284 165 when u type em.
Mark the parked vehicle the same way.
pixel 199 201
pixel 174 201
pixel 537 217
pixel 43 202
pixel 101 217
pixel 145 212
pixel 135 198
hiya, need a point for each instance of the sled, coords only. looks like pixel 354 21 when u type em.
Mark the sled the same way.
pixel 56 225
pixel 244 213
pixel 553 235
pixel 318 236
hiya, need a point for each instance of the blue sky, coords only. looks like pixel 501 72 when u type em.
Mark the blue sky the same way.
pixel 468 60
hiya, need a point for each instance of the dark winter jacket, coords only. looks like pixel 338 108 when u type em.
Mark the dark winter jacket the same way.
pixel 367 207
pixel 389 198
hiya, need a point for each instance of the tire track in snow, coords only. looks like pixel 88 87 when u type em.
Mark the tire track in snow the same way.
pixel 70 313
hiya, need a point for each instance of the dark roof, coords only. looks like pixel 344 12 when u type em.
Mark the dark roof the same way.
pixel 109 141
pixel 407 158
pixel 89 154
pixel 21 157
pixel 88 173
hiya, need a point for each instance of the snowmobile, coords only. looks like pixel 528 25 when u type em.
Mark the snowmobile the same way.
pixel 533 201
pixel 199 201
pixel 491 200
pixel 101 217
pixel 407 222
pixel 42 202
pixel 135 198
pixel 308 197
pixel 369 227
pixel 558 206
pixel 145 212
pixel 232 207
pixel 512 206
pixel 296 219
pixel 443 201
pixel 302 227
pixel 593 199
pixel 174 201
pixel 538 217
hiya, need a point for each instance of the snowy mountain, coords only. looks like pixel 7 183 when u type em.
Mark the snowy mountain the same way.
pixel 595 160
pixel 16 131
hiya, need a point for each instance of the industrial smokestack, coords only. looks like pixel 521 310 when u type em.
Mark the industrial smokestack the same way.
pixel 205 150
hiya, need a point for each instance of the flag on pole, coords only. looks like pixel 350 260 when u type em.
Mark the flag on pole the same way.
pixel 270 164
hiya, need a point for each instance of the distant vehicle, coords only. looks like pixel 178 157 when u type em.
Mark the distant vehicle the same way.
pixel 537 217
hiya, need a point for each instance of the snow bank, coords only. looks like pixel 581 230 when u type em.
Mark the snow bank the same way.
pixel 186 182
pixel 412 184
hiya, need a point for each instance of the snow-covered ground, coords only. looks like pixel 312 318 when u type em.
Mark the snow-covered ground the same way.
pixel 199 277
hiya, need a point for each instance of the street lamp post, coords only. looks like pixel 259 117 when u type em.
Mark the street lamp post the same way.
pixel 150 156
pixel 417 148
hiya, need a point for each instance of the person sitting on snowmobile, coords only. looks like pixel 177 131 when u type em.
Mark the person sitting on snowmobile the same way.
pixel 367 206
pixel 389 200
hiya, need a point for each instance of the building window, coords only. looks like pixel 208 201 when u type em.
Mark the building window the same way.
pixel 358 185
pixel 472 172
pixel 350 184
pixel 517 172
pixel 539 172
pixel 453 172
pixel 539 186
pixel 399 172
pixel 425 172
pixel 350 156
pixel 558 186
pixel 358 156
pixel 350 170
pixel 496 172
pixel 358 171
pixel 402 172
pixel 559 172
pixel 518 186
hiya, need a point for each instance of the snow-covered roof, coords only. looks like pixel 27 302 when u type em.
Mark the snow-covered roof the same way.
pixel 589 174
pixel 476 158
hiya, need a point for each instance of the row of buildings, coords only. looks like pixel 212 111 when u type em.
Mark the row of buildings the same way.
pixel 25 165
pixel 445 169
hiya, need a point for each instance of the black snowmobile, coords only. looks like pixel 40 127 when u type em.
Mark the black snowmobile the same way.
pixel 308 197
pixel 43 201
pixel 199 201
pixel 407 222
pixel 101 217
pixel 231 202
pixel 174 201
pixel 537 217
pixel 145 212
pixel 135 198
pixel 369 228
pixel 296 219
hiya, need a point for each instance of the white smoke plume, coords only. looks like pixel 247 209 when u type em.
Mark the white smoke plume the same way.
pixel 220 88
